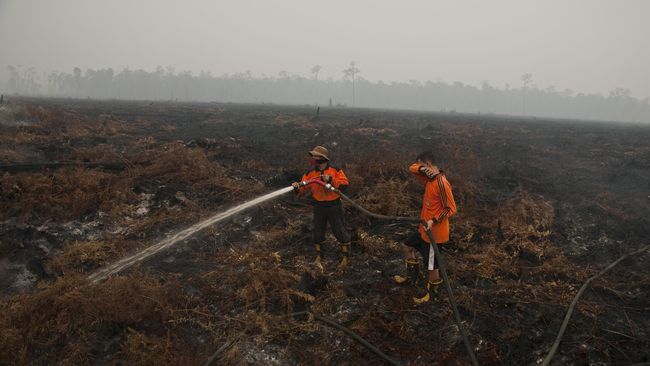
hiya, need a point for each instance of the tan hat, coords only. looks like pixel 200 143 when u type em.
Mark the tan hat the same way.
pixel 320 151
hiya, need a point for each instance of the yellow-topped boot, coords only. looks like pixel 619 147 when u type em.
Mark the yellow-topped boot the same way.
pixel 412 273
pixel 430 291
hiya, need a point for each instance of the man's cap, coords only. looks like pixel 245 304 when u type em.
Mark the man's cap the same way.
pixel 320 151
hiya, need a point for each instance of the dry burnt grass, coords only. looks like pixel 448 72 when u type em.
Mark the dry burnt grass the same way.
pixel 543 206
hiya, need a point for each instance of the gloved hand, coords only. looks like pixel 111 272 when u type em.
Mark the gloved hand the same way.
pixel 430 173
pixel 326 178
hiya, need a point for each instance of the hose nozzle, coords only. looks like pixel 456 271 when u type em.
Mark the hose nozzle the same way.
pixel 327 186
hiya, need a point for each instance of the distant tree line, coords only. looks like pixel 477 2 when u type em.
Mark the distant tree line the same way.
pixel 351 89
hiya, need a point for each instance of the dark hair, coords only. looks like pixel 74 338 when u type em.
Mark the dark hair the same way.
pixel 426 156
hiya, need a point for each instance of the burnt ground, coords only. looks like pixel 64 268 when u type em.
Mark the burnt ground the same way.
pixel 543 205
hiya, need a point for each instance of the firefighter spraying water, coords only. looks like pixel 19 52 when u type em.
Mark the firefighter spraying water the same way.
pixel 326 202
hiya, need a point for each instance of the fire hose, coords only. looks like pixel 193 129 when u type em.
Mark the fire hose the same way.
pixel 569 312
pixel 434 246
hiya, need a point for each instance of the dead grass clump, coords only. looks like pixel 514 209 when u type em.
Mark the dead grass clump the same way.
pixel 63 195
pixel 281 234
pixel 59 123
pixel 109 125
pixel 146 142
pixel 362 175
pixel 253 292
pixel 524 216
pixel 21 135
pixel 175 162
pixel 263 284
pixel 516 229
pixel 11 155
pixel 12 348
pixel 375 245
pixel 140 349
pixel 102 153
pixel 208 181
pixel 516 250
pixel 388 197
pixel 527 215
pixel 80 257
pixel 69 316
pixel 168 127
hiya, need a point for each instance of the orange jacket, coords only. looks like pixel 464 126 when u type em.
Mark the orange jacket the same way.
pixel 318 192
pixel 437 204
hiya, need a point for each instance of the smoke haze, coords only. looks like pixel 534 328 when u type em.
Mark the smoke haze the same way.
pixel 587 46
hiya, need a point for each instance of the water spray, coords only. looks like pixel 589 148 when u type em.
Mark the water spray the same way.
pixel 129 261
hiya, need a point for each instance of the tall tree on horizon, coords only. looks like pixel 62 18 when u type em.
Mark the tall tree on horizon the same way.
pixel 527 79
pixel 314 73
pixel 351 72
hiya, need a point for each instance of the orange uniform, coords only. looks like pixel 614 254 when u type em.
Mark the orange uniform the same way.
pixel 437 205
pixel 319 193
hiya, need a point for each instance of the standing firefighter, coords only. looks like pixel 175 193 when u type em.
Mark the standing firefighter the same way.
pixel 327 204
pixel 437 206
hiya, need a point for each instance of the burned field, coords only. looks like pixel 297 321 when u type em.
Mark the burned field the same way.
pixel 543 205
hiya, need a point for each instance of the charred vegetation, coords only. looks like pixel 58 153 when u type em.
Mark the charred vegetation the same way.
pixel 543 205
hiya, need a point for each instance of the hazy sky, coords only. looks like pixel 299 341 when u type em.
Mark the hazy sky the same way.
pixel 585 45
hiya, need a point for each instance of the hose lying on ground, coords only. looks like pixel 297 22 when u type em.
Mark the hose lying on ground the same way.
pixel 569 312
pixel 326 320
pixel 217 353
pixel 356 337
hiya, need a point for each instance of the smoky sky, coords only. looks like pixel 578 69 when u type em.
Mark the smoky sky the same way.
pixel 585 45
